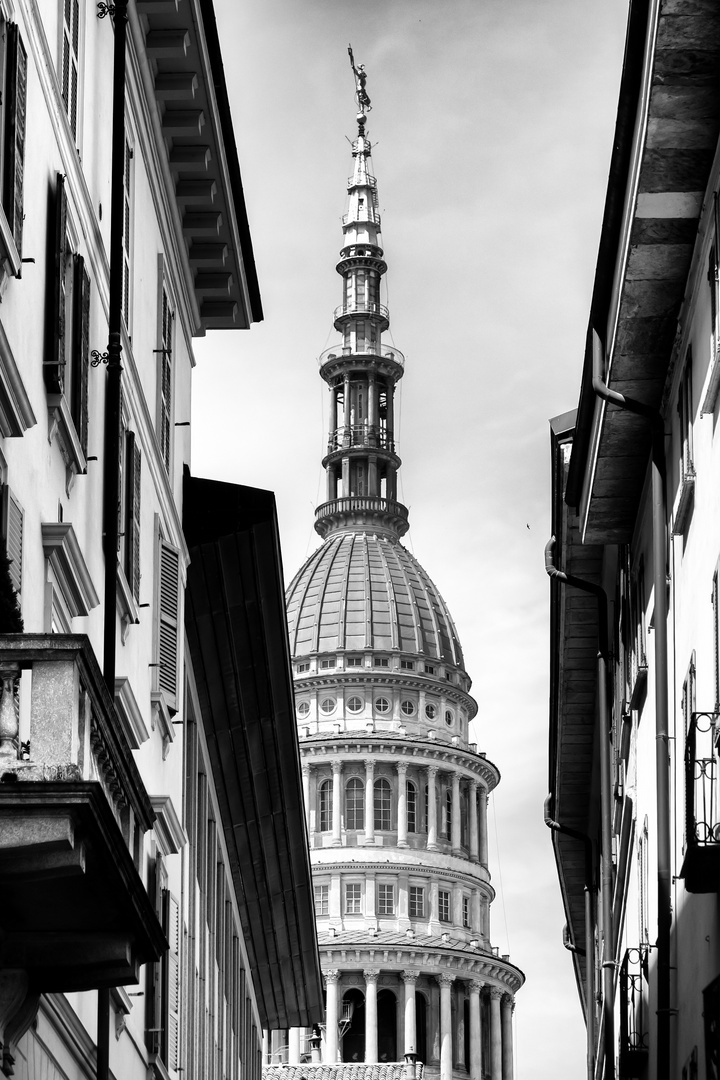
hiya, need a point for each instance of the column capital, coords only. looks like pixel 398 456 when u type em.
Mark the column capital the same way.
pixel 369 764
pixel 474 784
pixel 445 979
pixel 508 1002
pixel 410 977
pixel 496 992
pixel 337 766
pixel 476 986
pixel 433 770
pixel 401 767
pixel 305 768
pixel 371 974
pixel 331 976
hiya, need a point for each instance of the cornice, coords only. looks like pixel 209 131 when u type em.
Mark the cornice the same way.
pixel 334 677
pixel 421 868
pixel 395 746
pixel 429 962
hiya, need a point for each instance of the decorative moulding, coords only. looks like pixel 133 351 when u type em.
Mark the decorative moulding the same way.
pixel 129 713
pixel 63 554
pixel 125 602
pixel 169 833
pixel 16 414
pixel 162 720
pixel 62 428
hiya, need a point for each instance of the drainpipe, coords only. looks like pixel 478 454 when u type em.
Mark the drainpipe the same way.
pixel 662 753
pixel 606 866
pixel 112 418
pixel 584 839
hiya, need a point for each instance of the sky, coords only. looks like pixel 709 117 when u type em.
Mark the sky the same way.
pixel 492 124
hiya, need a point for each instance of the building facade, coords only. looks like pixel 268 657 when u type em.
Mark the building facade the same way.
pixel 634 560
pixel 155 912
pixel 395 792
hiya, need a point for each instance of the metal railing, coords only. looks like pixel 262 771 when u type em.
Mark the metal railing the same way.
pixel 361 309
pixel 634 1019
pixel 702 817
pixel 365 503
pixel 340 352
pixel 344 438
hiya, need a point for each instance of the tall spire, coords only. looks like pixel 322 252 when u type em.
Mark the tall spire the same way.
pixel 361 372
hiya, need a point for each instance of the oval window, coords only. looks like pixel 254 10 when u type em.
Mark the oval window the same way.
pixel 327 705
pixel 382 705
pixel 303 708
pixel 355 704
pixel 431 711
pixel 407 708
pixel 448 717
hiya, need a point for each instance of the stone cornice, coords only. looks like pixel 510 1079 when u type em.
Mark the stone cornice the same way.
pixel 421 868
pixel 431 963
pixel 319 748
pixel 333 678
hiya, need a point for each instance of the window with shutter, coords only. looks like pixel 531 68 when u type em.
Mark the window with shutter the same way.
pixel 166 380
pixel 130 477
pixel 54 367
pixel 168 628
pixel 13 522
pixel 14 157
pixel 127 236
pixel 80 361
pixel 70 62
pixel 171 982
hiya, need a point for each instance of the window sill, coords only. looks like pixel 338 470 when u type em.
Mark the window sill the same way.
pixel 16 414
pixel 10 261
pixel 62 428
pixel 684 502
pixel 125 603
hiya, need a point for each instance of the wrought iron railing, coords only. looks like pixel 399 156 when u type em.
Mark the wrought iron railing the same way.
pixel 702 814
pixel 385 352
pixel 344 438
pixel 361 504
pixel 360 309
pixel 634 1026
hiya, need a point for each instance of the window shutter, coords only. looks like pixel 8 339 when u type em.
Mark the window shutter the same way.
pixel 55 364
pixel 13 523
pixel 168 628
pixel 71 43
pixel 171 982
pixel 15 133
pixel 81 352
pixel 133 517
pixel 166 381
pixel 154 1015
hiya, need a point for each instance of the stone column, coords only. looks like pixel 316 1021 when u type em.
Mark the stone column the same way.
pixel 369 801
pixel 373 486
pixel 446 1042
pixel 455 839
pixel 372 410
pixel 294 1046
pixel 432 809
pixel 402 828
pixel 391 415
pixel 410 978
pixel 495 1033
pixel 306 792
pixel 333 418
pixel 475 1031
pixel 346 410
pixel 482 822
pixel 331 1017
pixel 507 1006
pixel 474 841
pixel 371 1021
pixel 336 803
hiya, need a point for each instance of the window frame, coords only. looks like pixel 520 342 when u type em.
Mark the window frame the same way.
pixel 325 806
pixel 444 905
pixel 411 801
pixel 352 902
pixel 382 804
pixel 355 812
pixel 321 898
pixel 416 901
pixel 385 899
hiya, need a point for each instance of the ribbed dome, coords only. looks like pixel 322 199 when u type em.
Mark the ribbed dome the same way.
pixel 360 591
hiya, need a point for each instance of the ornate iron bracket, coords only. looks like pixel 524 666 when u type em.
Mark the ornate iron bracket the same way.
pixel 98 358
pixel 108 8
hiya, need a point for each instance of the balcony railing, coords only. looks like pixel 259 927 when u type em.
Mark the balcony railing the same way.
pixel 702 813
pixel 367 215
pixel 362 509
pixel 634 1028
pixel 341 352
pixel 360 435
pixel 361 310
pixel 366 181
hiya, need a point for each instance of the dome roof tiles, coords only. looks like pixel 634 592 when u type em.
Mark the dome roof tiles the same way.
pixel 360 591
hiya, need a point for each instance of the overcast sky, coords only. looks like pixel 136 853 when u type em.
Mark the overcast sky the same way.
pixel 492 122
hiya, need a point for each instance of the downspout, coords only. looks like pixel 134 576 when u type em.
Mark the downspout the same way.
pixel 662 753
pixel 111 454
pixel 584 839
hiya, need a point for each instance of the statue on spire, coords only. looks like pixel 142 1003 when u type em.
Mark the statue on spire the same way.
pixel 360 79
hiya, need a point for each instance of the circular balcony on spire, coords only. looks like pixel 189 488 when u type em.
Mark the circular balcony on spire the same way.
pixel 362 512
pixel 361 437
pixel 383 359
pixel 359 310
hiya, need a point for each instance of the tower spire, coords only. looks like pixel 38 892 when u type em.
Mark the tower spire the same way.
pixel 361 371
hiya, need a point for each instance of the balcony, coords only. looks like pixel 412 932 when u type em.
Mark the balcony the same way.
pixel 701 865
pixel 358 356
pixel 634 1027
pixel 360 436
pixel 362 510
pixel 367 309
pixel 73 811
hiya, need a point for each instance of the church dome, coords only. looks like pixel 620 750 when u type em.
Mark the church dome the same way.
pixel 361 591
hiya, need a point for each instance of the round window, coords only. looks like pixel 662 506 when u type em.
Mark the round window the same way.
pixel 327 705
pixel 303 708
pixel 448 717
pixel 382 705
pixel 355 704
pixel 407 708
pixel 431 711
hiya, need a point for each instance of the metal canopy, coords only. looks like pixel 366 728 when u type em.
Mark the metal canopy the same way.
pixel 237 633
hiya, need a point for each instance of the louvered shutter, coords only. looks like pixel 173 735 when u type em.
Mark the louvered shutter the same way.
pixel 15 133
pixel 168 628
pixel 81 352
pixel 154 1012
pixel 55 363
pixel 71 44
pixel 166 373
pixel 132 521
pixel 14 537
pixel 171 982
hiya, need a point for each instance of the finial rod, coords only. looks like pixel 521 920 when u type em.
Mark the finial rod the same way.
pixel 361 97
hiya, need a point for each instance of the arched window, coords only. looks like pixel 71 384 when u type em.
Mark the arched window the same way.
pixel 326 821
pixel 382 804
pixel 411 807
pixel 448 813
pixel 355 804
